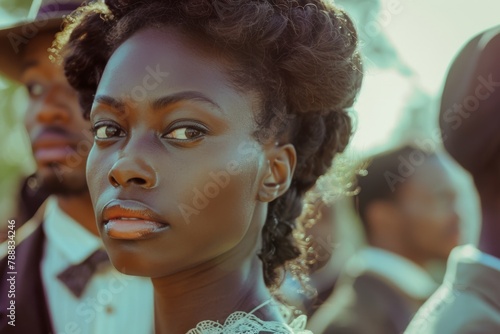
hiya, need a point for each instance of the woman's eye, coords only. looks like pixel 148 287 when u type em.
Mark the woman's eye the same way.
pixel 106 131
pixel 35 89
pixel 185 133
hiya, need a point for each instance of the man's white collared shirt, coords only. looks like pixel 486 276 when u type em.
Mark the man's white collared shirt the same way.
pixel 111 302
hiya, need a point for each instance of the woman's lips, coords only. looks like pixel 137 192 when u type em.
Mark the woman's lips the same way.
pixel 132 229
pixel 131 220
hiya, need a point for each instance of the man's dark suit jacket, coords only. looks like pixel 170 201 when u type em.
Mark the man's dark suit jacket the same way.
pixel 31 310
pixel 368 304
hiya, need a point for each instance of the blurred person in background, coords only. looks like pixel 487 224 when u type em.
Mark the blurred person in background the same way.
pixel 30 196
pixel 27 190
pixel 469 299
pixel 407 207
pixel 64 281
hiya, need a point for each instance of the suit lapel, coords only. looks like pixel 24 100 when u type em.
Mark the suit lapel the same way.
pixel 31 314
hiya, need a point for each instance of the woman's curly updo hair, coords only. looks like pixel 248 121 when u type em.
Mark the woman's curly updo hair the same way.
pixel 300 56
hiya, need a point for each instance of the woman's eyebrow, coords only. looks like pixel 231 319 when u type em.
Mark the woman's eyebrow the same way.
pixel 111 101
pixel 165 101
pixel 161 102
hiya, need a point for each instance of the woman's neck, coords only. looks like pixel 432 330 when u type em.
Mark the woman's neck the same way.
pixel 211 291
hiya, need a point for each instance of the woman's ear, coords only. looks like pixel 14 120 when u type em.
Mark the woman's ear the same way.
pixel 281 165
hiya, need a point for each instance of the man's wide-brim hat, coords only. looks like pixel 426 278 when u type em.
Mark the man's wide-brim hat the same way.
pixel 470 103
pixel 44 15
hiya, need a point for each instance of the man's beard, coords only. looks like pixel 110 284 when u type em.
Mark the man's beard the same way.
pixel 68 184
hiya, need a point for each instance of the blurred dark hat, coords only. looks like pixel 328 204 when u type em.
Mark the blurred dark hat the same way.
pixel 470 105
pixel 44 15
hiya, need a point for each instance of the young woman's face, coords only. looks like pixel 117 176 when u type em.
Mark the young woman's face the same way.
pixel 175 171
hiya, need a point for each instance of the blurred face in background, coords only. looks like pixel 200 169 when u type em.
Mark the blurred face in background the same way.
pixel 430 226
pixel 60 136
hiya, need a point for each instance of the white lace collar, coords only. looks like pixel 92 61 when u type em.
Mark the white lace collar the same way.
pixel 247 323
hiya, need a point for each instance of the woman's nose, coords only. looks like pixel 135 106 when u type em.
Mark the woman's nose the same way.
pixel 128 171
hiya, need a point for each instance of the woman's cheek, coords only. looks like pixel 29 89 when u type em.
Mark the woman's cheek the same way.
pixel 221 200
pixel 97 172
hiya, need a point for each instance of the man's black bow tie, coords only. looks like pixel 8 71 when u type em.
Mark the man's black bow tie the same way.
pixel 77 276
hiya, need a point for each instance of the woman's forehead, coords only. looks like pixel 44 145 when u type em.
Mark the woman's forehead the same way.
pixel 166 56
pixel 154 65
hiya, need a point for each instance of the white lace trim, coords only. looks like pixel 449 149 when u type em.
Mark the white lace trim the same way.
pixel 247 323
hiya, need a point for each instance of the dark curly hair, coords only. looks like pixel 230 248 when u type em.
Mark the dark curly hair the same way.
pixel 300 56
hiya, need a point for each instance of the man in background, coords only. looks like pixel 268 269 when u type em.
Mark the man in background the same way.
pixel 63 281
pixel 469 299
pixel 406 205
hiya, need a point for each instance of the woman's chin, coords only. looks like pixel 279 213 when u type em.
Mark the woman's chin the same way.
pixel 130 263
pixel 131 267
pixel 139 264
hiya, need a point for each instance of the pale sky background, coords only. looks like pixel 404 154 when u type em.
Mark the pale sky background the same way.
pixel 427 34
